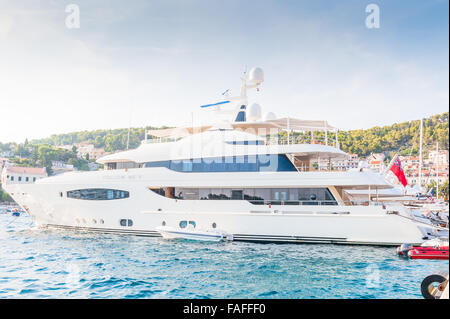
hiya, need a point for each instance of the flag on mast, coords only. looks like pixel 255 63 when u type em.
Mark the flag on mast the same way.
pixel 397 169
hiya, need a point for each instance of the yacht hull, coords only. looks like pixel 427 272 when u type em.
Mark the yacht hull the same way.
pixel 372 225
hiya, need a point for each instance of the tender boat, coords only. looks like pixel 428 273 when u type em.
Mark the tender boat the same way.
pixel 431 249
pixel 191 233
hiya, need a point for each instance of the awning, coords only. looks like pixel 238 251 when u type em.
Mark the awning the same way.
pixel 259 128
pixel 177 132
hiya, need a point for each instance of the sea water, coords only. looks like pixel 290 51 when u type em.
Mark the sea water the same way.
pixel 37 263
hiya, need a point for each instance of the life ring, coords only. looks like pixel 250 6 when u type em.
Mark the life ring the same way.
pixel 428 288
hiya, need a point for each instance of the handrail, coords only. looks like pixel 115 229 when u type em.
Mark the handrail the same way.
pixel 314 202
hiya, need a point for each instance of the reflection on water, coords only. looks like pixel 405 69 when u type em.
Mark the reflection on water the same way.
pixel 37 263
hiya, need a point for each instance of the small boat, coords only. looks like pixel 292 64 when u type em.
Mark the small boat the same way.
pixel 431 249
pixel 192 234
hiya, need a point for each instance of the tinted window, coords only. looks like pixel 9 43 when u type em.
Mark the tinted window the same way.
pixel 98 194
pixel 274 196
pixel 247 163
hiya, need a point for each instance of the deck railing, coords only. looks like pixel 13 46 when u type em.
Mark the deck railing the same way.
pixel 315 203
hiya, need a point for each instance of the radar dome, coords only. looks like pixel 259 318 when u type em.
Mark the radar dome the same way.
pixel 254 112
pixel 256 75
pixel 269 116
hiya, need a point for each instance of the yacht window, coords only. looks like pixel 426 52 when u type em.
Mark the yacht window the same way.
pixel 111 165
pixel 183 224
pixel 129 223
pixel 20 178
pixel 236 194
pixel 159 191
pixel 247 163
pixel 12 178
pixel 27 179
pixel 191 222
pixel 258 196
pixel 246 142
pixel 123 222
pixel 98 194
pixel 34 179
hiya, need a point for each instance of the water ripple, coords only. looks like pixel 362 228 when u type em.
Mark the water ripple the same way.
pixel 37 263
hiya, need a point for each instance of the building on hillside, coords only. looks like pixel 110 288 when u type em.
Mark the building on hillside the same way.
pixel 440 159
pixel 376 162
pixel 411 167
pixel 84 149
pixel 350 163
pixel 22 175
pixel 7 154
pixel 59 167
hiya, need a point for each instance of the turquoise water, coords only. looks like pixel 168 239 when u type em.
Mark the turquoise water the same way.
pixel 38 263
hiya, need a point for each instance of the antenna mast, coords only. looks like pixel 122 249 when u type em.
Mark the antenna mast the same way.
pixel 420 152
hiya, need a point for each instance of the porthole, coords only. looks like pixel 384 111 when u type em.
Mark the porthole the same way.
pixel 191 222
pixel 94 221
pixel 183 224
pixel 163 223
pixel 102 221
pixel 126 222
pixel 214 225
pixel 77 220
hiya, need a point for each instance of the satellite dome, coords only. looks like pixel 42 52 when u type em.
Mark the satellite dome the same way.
pixel 269 116
pixel 254 112
pixel 256 76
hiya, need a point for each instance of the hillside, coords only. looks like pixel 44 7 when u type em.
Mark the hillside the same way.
pixel 402 138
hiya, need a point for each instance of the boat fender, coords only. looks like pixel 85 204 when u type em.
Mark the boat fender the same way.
pixel 427 288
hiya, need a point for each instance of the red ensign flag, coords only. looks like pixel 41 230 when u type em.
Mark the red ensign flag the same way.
pixel 398 171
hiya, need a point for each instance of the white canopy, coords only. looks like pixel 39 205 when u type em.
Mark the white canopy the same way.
pixel 259 128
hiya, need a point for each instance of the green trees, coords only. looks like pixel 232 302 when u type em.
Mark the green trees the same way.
pixel 4 197
pixel 110 140
pixel 444 191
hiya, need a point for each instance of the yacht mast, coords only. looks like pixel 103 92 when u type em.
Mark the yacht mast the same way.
pixel 437 170
pixel 420 152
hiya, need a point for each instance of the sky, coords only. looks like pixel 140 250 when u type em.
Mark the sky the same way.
pixel 141 62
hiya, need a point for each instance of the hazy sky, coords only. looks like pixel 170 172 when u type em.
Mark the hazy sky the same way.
pixel 155 62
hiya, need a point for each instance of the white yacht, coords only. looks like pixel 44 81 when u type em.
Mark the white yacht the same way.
pixel 226 176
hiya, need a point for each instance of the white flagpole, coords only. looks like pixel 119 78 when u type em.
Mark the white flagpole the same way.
pixel 437 170
pixel 390 164
pixel 420 153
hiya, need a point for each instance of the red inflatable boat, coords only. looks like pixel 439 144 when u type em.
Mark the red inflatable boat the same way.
pixel 439 251
pixel 428 253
